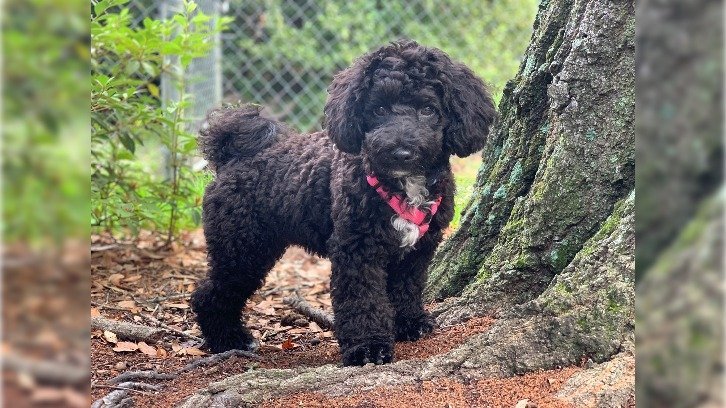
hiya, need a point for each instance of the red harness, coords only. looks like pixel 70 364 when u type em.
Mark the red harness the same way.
pixel 420 217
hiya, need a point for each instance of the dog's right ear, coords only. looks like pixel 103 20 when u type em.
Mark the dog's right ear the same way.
pixel 344 108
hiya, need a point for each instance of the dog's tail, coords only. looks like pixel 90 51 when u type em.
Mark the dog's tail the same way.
pixel 240 132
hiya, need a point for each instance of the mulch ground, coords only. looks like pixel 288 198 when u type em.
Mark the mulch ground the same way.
pixel 538 388
pixel 43 295
pixel 133 281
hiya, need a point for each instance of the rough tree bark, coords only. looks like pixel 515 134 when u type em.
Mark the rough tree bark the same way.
pixel 559 160
pixel 547 244
pixel 680 316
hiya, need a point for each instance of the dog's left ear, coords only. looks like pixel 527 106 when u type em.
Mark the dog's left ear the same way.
pixel 343 110
pixel 471 111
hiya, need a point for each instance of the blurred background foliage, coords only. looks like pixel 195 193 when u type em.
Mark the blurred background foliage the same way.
pixel 44 128
pixel 287 51
pixel 278 53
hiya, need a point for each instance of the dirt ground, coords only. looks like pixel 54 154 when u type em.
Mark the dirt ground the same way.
pixel 44 345
pixel 146 283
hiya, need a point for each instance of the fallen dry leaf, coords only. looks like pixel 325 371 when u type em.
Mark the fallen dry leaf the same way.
pixel 129 305
pixel 25 380
pixel 161 353
pixel 288 344
pixel 193 351
pixel 95 312
pixel 123 346
pixel 132 278
pixel 110 336
pixel 126 304
pixel 75 398
pixel 47 395
pixel 116 278
pixel 147 349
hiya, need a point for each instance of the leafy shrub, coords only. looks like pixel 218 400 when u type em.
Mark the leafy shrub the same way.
pixel 140 147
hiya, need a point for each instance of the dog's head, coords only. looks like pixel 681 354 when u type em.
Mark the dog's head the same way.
pixel 405 106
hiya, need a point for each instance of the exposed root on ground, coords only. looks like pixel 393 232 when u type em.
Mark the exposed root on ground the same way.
pixel 120 398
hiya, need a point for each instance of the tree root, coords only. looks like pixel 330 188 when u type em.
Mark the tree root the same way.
pixel 141 375
pixel 302 306
pixel 119 398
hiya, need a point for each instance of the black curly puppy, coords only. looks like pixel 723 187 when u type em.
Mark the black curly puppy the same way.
pixel 373 192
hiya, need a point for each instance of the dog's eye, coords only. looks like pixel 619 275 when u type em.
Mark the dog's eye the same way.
pixel 426 111
pixel 380 111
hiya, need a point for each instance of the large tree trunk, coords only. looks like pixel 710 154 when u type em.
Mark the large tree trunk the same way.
pixel 547 243
pixel 559 160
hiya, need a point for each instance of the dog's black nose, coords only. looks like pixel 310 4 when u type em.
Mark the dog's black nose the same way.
pixel 402 155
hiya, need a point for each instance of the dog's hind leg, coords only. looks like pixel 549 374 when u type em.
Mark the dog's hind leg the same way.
pixel 237 269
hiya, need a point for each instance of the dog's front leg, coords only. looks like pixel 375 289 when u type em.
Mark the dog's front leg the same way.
pixel 363 313
pixel 406 280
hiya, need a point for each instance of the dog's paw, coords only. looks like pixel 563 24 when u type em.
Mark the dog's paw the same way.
pixel 374 351
pixel 413 329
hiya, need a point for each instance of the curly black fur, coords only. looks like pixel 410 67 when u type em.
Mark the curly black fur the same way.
pixel 399 112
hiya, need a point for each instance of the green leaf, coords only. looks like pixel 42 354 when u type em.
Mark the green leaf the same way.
pixel 191 6
pixel 149 68
pixel 101 6
pixel 125 155
pixel 132 67
pixel 196 216
pixel 153 89
pixel 128 143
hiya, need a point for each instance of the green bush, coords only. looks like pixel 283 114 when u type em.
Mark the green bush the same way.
pixel 44 128
pixel 140 173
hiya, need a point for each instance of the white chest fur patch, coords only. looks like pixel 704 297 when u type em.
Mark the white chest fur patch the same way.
pixel 416 193
pixel 407 231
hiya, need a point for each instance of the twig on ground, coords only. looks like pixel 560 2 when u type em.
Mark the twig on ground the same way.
pixel 141 375
pixel 170 329
pixel 130 331
pixel 47 371
pixel 170 297
pixel 216 358
pixel 275 290
pixel 109 307
pixel 100 248
pixel 302 306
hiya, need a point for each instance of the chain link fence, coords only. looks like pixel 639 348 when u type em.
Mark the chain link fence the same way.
pixel 282 54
